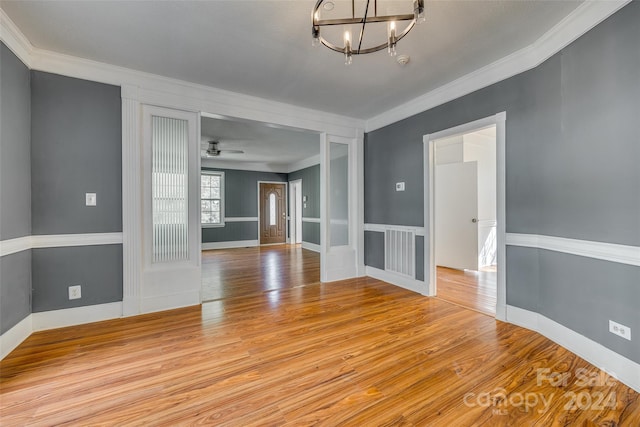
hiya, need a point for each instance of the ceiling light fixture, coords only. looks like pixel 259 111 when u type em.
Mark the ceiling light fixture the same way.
pixel 360 17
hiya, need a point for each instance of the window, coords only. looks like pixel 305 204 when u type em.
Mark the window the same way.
pixel 212 198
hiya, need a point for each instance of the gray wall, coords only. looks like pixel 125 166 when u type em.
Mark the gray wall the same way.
pixel 311 188
pixel 15 187
pixel 76 136
pixel 97 268
pixel 240 200
pixel 572 158
pixel 76 140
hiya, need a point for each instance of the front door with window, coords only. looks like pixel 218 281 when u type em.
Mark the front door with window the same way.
pixel 273 217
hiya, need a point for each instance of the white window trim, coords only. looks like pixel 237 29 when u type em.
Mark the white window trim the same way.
pixel 222 199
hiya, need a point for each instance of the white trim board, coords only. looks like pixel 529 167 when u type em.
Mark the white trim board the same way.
pixel 230 244
pixel 311 246
pixel 11 246
pixel 397 280
pixel 598 355
pixel 53 319
pixel 241 219
pixel 582 19
pixel 418 231
pixel 15 336
pixel 622 254
pixel 310 219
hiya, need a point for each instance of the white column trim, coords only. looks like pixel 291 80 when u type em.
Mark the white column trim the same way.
pixel 598 355
pixel 131 202
pixel 622 254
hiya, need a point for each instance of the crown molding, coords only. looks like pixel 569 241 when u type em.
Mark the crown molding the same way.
pixel 304 163
pixel 164 91
pixel 13 38
pixel 582 19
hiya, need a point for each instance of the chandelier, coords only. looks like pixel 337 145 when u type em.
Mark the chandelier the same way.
pixel 353 17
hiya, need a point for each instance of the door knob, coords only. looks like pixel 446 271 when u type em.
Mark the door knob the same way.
pixel 474 220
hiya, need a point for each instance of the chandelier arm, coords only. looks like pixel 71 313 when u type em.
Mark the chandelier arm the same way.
pixel 364 23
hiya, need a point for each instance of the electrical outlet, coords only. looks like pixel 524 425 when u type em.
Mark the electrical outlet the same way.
pixel 75 292
pixel 399 186
pixel 91 199
pixel 620 330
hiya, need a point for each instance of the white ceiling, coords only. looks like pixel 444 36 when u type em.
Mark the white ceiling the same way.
pixel 265 147
pixel 263 48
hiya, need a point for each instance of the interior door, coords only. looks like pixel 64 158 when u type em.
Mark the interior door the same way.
pixel 456 213
pixel 273 216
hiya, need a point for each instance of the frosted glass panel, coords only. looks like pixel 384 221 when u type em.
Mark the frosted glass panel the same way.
pixel 339 194
pixel 272 209
pixel 169 191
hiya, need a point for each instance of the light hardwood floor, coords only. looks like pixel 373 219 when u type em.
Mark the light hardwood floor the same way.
pixel 476 290
pixel 359 352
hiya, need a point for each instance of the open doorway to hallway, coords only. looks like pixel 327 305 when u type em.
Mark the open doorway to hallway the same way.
pixel 246 167
pixel 465 210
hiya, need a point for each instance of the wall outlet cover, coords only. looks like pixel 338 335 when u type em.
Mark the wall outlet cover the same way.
pixel 620 330
pixel 75 292
pixel 91 199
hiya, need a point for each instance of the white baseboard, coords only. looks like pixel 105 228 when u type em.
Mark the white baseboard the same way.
pixel 14 336
pixel 75 316
pixel 169 302
pixel 311 246
pixel 398 280
pixel 230 245
pixel 625 370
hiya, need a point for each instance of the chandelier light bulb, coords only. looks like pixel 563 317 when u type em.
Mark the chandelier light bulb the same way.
pixel 391 46
pixel 348 55
pixel 418 10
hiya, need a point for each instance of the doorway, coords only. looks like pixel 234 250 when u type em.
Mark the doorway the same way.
pixel 295 211
pixel 465 215
pixel 272 218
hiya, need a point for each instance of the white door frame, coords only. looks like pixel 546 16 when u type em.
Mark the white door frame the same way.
pixel 499 121
pixel 286 204
pixel 295 214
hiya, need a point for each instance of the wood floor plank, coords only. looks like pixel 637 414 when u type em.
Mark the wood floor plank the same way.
pixel 280 348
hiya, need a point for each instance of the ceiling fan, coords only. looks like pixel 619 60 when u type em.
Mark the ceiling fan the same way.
pixel 214 151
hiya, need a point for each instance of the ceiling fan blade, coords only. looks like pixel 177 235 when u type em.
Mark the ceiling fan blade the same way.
pixel 233 151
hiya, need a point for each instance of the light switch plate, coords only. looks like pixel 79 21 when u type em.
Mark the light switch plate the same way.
pixel 91 199
pixel 399 186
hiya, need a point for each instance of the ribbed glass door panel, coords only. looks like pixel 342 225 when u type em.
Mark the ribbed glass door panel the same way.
pixel 169 189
